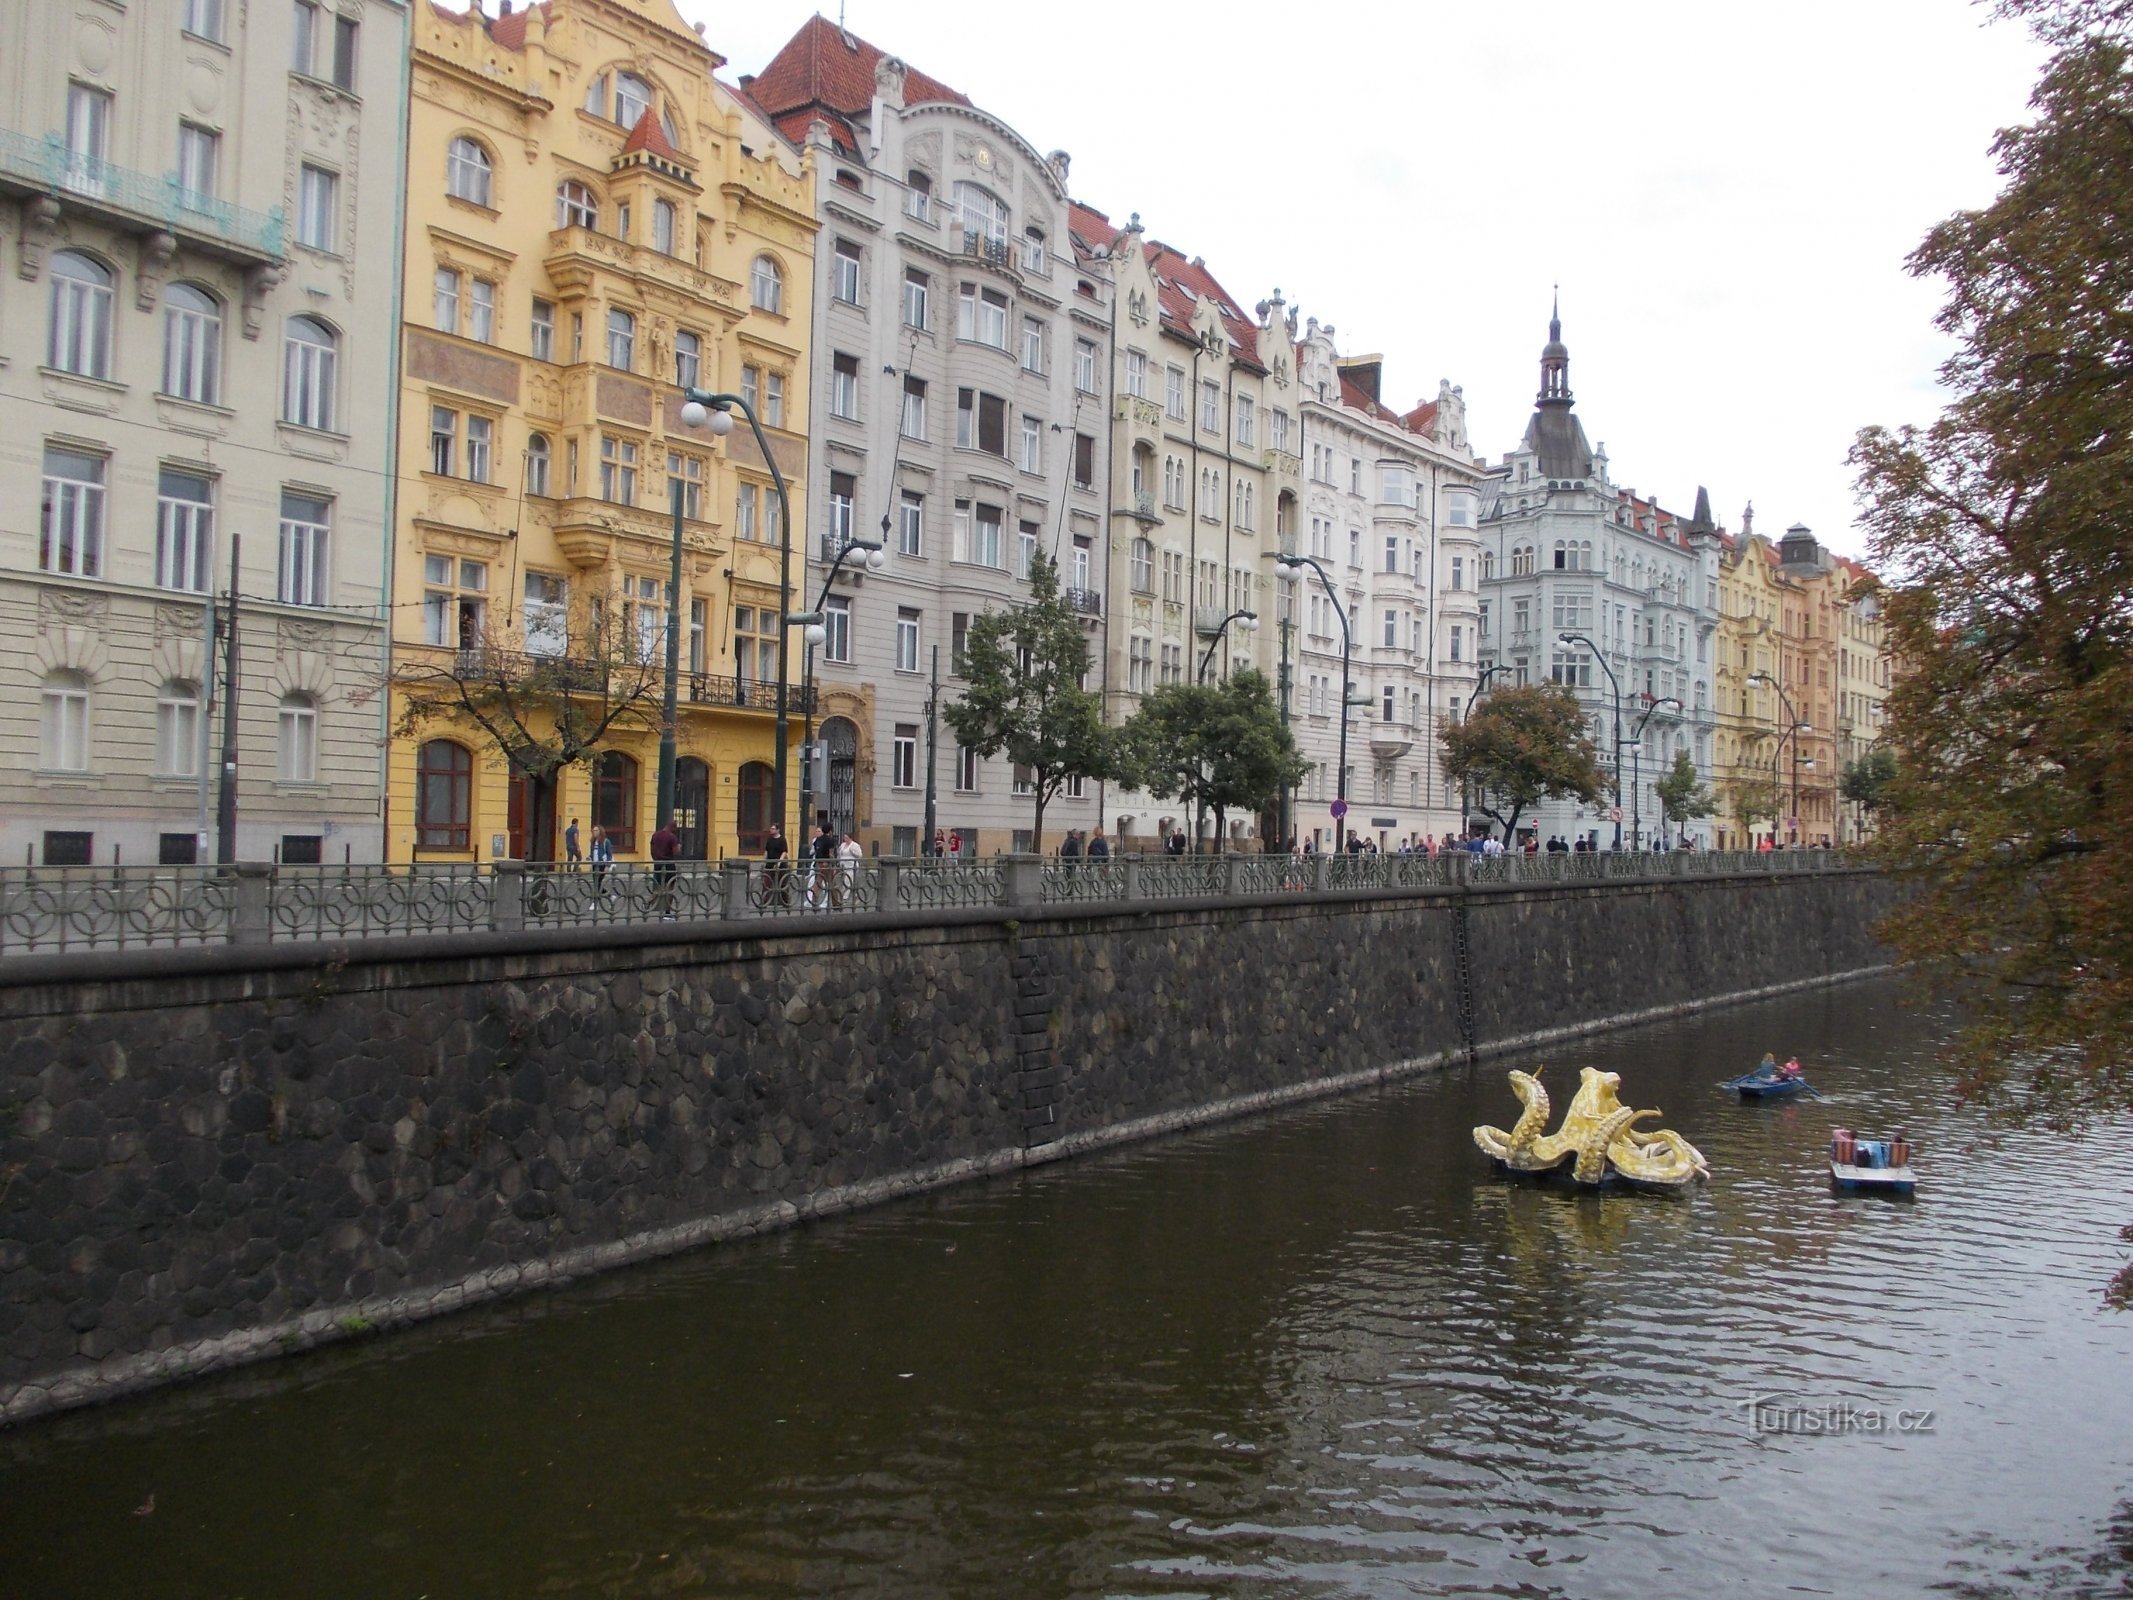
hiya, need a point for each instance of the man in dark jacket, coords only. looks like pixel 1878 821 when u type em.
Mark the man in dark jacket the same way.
pixel 666 848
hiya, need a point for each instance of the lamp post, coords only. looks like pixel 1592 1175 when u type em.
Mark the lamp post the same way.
pixel 1340 777
pixel 1250 622
pixel 869 555
pixel 1600 656
pixel 1636 771
pixel 1466 797
pixel 1795 727
pixel 715 411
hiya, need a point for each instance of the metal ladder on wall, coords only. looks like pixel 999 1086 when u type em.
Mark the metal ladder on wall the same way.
pixel 1464 962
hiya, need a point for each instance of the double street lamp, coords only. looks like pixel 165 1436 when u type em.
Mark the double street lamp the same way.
pixel 1466 798
pixel 1636 771
pixel 1600 656
pixel 861 552
pixel 1340 822
pixel 1248 621
pixel 1795 727
pixel 702 409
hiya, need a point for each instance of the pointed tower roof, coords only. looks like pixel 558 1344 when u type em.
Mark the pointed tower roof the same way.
pixel 1700 520
pixel 649 137
pixel 1554 434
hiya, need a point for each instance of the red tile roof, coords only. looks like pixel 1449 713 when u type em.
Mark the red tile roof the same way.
pixel 1090 229
pixel 1180 282
pixel 649 137
pixel 823 69
pixel 510 32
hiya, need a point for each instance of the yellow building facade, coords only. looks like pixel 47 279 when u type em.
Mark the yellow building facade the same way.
pixel 1802 677
pixel 594 225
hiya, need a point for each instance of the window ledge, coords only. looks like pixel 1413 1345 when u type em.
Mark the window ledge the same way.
pixel 315 443
pixel 67 778
pixel 78 391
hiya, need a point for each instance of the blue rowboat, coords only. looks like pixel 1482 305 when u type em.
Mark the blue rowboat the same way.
pixel 1765 1086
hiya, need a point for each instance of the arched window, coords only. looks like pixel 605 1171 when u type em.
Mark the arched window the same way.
pixel 178 729
pixel 63 730
pixel 766 285
pixel 1143 567
pixel 1033 256
pixel 310 353
pixel 1143 470
pixel 538 458
pixel 467 172
pixel 81 316
pixel 1488 565
pixel 982 213
pixel 755 811
pixel 444 796
pixel 615 799
pixel 633 98
pixel 192 344
pixel 297 743
pixel 918 196
pixel 576 206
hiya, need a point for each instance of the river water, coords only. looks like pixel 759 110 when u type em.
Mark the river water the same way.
pixel 1323 1353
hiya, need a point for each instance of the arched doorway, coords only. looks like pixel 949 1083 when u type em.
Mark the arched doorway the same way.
pixel 615 800
pixel 755 812
pixel 530 817
pixel 841 737
pixel 692 808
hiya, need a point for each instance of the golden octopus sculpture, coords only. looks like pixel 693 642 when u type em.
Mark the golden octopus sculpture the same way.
pixel 1599 1138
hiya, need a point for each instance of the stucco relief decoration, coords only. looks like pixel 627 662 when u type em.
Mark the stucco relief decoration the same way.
pixel 203 87
pixel 40 226
pixel 177 622
pixel 158 250
pixel 924 149
pixel 95 43
pixel 258 284
pixel 71 630
pixel 1137 308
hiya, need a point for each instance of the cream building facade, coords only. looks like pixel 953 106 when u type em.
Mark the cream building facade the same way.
pixel 1391 509
pixel 961 378
pixel 199 207
pixel 595 225
pixel 1204 480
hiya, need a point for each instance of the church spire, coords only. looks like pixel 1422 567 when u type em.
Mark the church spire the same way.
pixel 1555 360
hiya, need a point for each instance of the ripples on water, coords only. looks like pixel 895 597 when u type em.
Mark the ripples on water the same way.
pixel 1324 1354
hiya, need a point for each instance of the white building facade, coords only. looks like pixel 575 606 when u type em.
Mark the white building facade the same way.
pixel 1565 551
pixel 1390 510
pixel 961 368
pixel 199 205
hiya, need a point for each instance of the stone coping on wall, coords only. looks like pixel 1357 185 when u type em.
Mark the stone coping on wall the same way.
pixel 115 1379
pixel 78 981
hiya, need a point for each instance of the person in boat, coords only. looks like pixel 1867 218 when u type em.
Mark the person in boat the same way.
pixel 1791 1068
pixel 1768 1066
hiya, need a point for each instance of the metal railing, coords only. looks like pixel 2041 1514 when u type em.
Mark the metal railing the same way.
pixel 1088 602
pixel 47 164
pixel 71 909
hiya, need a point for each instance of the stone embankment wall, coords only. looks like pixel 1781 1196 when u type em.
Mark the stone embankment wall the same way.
pixel 211 1155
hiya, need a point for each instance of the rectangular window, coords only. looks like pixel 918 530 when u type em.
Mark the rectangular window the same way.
pixel 1174 393
pixel 910 523
pixel 837 629
pixel 1281 431
pixel 1084 460
pixel 664 218
pixel 305 531
pixel 1210 407
pixel 644 616
pixel 444 301
pixel 1085 365
pixel 967 768
pixel 744 512
pixel 185 520
pixel 687 472
pixel 1247 422
pixel 981 315
pixel 844 272
pixel 547 614
pixel 305 39
pixel 1392 628
pixel 844 490
pixel 71 538
pixel 1025 549
pixel 688 359
pixel 1392 552
pixel 917 297
pixel 907 628
pixel 1458 572
pixel 199 163
pixel 203 19
pixel 316 196
pixel 914 417
pixel 1137 374
pixel 958 640
pixel 618 470
pixel 344 53
pixel 844 387
pixel 481 432
pixel 903 771
pixel 1032 444
pixel 1458 642
pixel 1032 345
pixel 444 440
pixel 481 311
pixel 774 400
pixel 621 341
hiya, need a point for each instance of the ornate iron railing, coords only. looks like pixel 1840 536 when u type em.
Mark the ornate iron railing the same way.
pixel 47 164
pixel 112 908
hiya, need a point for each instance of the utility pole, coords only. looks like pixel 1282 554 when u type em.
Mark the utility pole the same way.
pixel 226 807
pixel 204 732
pixel 933 702
pixel 1288 627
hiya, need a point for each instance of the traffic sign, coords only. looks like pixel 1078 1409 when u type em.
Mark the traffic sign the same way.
pixel 1339 808
pixel 1793 824
pixel 1614 814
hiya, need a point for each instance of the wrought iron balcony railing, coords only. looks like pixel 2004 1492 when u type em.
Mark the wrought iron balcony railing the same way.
pixel 137 199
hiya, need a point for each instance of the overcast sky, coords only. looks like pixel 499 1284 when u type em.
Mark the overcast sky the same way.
pixel 1726 194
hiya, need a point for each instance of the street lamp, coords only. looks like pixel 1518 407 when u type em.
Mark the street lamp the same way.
pixel 1466 797
pixel 1249 620
pixel 703 409
pixel 1600 656
pixel 864 552
pixel 1795 728
pixel 1340 778
pixel 1636 771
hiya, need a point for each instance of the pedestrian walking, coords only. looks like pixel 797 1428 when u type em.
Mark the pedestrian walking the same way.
pixel 822 863
pixel 603 855
pixel 666 849
pixel 940 844
pixel 1099 846
pixel 777 880
pixel 955 844
pixel 573 857
pixel 849 855
pixel 1070 849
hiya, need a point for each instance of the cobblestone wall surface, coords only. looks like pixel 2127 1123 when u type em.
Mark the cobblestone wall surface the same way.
pixel 209 1156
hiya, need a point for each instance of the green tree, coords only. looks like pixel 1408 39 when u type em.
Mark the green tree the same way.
pixel 1681 796
pixel 1866 782
pixel 2005 531
pixel 1522 746
pixel 1217 747
pixel 1025 668
pixel 1754 799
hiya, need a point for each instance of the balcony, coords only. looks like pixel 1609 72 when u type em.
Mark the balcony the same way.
pixel 993 252
pixel 136 201
pixel 1086 602
pixel 1144 505
pixel 1390 740
pixel 745 694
